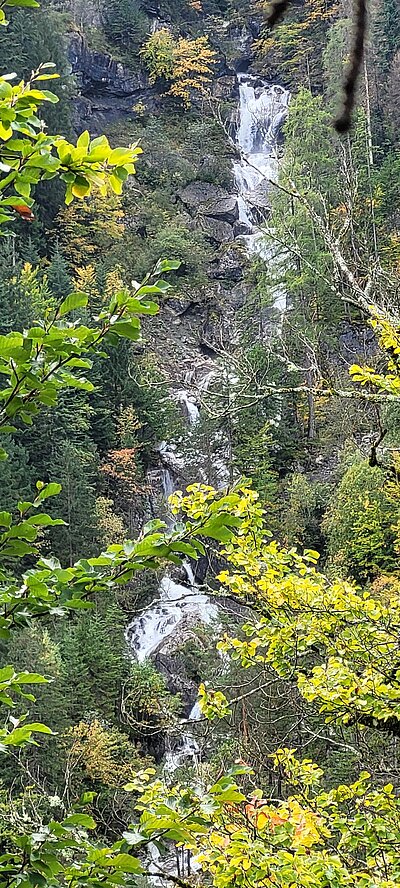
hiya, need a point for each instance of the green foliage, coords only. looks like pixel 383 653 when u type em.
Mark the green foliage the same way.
pixel 125 25
pixel 358 523
pixel 295 47
pixel 30 156
pixel 302 510
pixel 386 33
pixel 148 702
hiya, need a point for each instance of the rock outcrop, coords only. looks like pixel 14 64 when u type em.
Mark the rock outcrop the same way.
pixel 214 210
pixel 107 89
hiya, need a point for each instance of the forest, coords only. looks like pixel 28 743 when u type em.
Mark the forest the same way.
pixel 200 444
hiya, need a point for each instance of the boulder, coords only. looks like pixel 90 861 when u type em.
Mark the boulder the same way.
pixel 225 87
pixel 215 229
pixel 210 200
pixel 197 193
pixel 224 207
pixel 241 228
pixel 229 266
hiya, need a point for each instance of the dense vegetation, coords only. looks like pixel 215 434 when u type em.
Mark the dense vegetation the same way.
pixel 115 289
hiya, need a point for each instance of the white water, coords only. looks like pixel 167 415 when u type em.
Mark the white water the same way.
pixel 262 111
pixel 176 603
pixel 191 409
pixel 188 747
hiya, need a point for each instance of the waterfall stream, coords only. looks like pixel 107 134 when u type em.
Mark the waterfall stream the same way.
pixel 262 110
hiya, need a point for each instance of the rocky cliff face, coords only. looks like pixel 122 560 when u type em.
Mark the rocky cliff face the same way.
pixel 107 90
pixel 189 331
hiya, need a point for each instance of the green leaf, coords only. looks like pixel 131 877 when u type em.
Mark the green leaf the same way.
pixel 23 734
pixel 73 301
pixel 83 141
pixel 16 548
pixel 31 678
pixel 47 77
pixel 141 306
pixel 5 519
pixel 128 329
pixel 83 820
pixel 185 548
pixel 219 527
pixel 168 265
pixel 22 531
pixel 52 489
pixel 81 187
pixel 125 863
pixel 44 520
pixel 120 156
pixel 116 184
pixel 10 344
pixel 5 131
pixel 32 4
pixel 6 673
pixel 43 95
pixel 134 837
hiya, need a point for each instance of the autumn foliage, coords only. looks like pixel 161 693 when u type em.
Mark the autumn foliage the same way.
pixel 185 64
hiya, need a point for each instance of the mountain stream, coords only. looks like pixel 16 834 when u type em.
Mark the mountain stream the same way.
pixel 261 113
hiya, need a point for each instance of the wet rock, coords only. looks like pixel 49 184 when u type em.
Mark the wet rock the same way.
pixel 241 228
pixel 173 667
pixel 229 266
pixel 225 87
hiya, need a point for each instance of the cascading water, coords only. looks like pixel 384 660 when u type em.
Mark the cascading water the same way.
pixel 177 604
pixel 262 110
pixel 155 624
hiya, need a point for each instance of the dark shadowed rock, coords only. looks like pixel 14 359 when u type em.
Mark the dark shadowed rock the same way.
pixel 224 207
pixel 108 90
pixel 225 87
pixel 206 199
pixel 229 266
pixel 215 229
pixel 197 193
pixel 173 667
pixel 241 228
pixel 99 72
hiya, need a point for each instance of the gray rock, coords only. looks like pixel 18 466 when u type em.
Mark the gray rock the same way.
pixel 238 295
pixel 241 228
pixel 207 199
pixel 99 73
pixel 229 266
pixel 215 229
pixel 224 207
pixel 173 667
pixel 225 87
pixel 197 193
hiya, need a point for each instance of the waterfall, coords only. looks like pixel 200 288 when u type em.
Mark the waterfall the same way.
pixel 176 602
pixel 262 111
pixel 191 409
